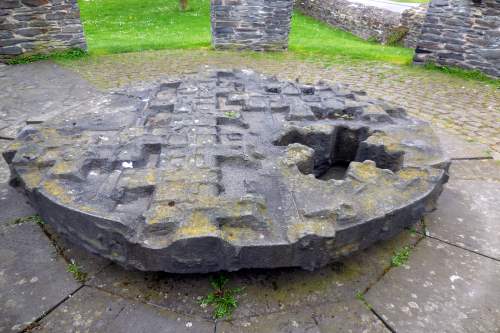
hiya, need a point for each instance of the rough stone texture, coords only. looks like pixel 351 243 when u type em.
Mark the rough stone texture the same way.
pixel 462 33
pixel 259 25
pixel 441 289
pixel 230 169
pixel 468 211
pixel 91 310
pixel 367 22
pixel 33 279
pixel 39 27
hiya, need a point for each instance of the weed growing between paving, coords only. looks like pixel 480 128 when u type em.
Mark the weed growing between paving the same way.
pixel 77 271
pixel 222 299
pixel 29 219
pixel 361 297
pixel 66 55
pixel 231 114
pixel 401 256
pixel 464 73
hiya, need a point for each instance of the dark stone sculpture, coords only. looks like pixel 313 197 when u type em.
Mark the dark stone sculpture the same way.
pixel 227 170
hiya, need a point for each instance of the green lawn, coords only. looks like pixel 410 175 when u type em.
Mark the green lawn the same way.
pixel 114 26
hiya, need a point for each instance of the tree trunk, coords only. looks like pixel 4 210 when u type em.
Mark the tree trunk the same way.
pixel 183 4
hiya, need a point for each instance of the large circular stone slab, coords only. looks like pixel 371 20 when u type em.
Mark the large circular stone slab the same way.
pixel 227 170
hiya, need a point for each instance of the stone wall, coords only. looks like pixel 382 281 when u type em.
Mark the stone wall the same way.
pixel 462 33
pixel 260 25
pixel 413 19
pixel 38 27
pixel 367 22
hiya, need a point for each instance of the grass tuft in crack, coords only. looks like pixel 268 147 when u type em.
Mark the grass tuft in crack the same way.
pixel 29 219
pixel 222 299
pixel 70 54
pixel 231 114
pixel 361 297
pixel 401 256
pixel 77 271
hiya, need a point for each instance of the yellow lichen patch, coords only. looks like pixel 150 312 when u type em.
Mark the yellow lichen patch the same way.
pixel 151 176
pixel 63 167
pixel 32 178
pixel 206 201
pixel 162 213
pixel 412 173
pixel 132 179
pixel 86 209
pixel 56 190
pixel 239 235
pixel 364 171
pixel 49 132
pixel 194 176
pixel 198 225
pixel 48 157
pixel 380 138
pixel 310 227
pixel 14 146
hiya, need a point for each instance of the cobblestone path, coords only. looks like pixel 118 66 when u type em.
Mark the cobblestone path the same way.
pixel 465 107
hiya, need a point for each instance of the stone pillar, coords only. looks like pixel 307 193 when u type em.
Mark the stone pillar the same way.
pixel 462 33
pixel 259 25
pixel 39 27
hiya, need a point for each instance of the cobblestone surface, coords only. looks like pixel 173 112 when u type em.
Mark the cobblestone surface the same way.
pixel 465 107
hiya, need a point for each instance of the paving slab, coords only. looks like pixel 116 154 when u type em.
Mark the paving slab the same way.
pixel 91 310
pixel 485 170
pixel 265 291
pixel 36 91
pixel 468 214
pixel 33 279
pixel 441 289
pixel 4 168
pixel 351 316
pixel 13 205
pixel 456 147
